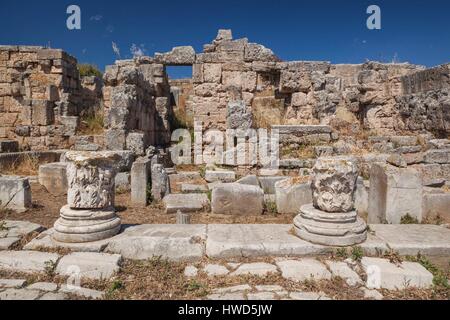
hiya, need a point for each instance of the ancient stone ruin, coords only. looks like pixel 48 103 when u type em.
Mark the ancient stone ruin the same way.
pixel 243 169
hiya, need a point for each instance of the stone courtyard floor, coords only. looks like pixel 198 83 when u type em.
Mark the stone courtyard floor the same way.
pixel 254 262
pixel 216 257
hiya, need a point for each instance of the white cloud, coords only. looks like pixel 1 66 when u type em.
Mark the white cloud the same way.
pixel 138 51
pixel 110 28
pixel 116 49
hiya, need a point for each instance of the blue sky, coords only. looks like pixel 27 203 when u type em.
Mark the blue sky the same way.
pixel 414 31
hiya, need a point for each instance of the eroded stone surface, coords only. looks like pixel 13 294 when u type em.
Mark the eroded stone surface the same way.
pixel 174 242
pixel 334 184
pixel 257 269
pixel 27 261
pixel 90 265
pixel 189 202
pixel 304 269
pixel 215 270
pixel 227 241
pixel 383 274
pixel 237 199
pixel 90 177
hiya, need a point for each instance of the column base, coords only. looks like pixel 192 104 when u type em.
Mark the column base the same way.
pixel 80 226
pixel 330 229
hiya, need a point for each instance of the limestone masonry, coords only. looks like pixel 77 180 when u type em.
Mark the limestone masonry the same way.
pixel 235 84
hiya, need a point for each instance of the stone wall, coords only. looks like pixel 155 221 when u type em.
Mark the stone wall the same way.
pixel 136 105
pixel 295 92
pixel 426 103
pixel 39 97
pixel 92 94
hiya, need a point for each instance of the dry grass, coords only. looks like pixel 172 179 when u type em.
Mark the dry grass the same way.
pixel 302 152
pixel 28 165
pixel 92 124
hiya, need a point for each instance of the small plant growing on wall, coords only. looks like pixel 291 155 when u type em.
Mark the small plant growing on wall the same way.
pixel 89 70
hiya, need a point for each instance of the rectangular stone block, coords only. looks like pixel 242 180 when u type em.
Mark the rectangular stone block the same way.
pixel 53 176
pixel 15 193
pixel 436 205
pixel 9 146
pixel 394 193
pixel 42 112
pixel 437 156
pixel 140 179
pixel 115 139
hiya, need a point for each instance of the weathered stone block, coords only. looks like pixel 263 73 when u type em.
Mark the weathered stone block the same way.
pixel 268 183
pixel 140 179
pixel 53 176
pixel 15 193
pixel 220 175
pixel 42 114
pixel 115 139
pixel 26 261
pixel 179 56
pixel 383 274
pixel 291 195
pixel 160 182
pixel 237 199
pixel 9 146
pixel 137 143
pixel 437 156
pixel 436 205
pixel 189 202
pixel 394 193
pixel 90 265
pixel 212 72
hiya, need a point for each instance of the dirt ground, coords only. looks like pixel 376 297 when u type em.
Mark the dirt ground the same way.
pixel 46 208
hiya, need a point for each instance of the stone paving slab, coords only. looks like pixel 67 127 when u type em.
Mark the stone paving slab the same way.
pixel 20 228
pixel 45 241
pixel 82 292
pixel 174 242
pixel 12 283
pixel 383 274
pixel 215 270
pixel 303 269
pixel 342 270
pixel 309 296
pixel 19 294
pixel 27 261
pixel 7 243
pixel 228 241
pixel 409 239
pixel 256 269
pixel 43 286
pixel 54 296
pixel 90 265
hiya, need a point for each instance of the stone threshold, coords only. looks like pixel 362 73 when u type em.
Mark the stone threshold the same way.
pixel 193 242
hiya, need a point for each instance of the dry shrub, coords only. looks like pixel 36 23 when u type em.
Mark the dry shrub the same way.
pixel 28 165
pixel 92 123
